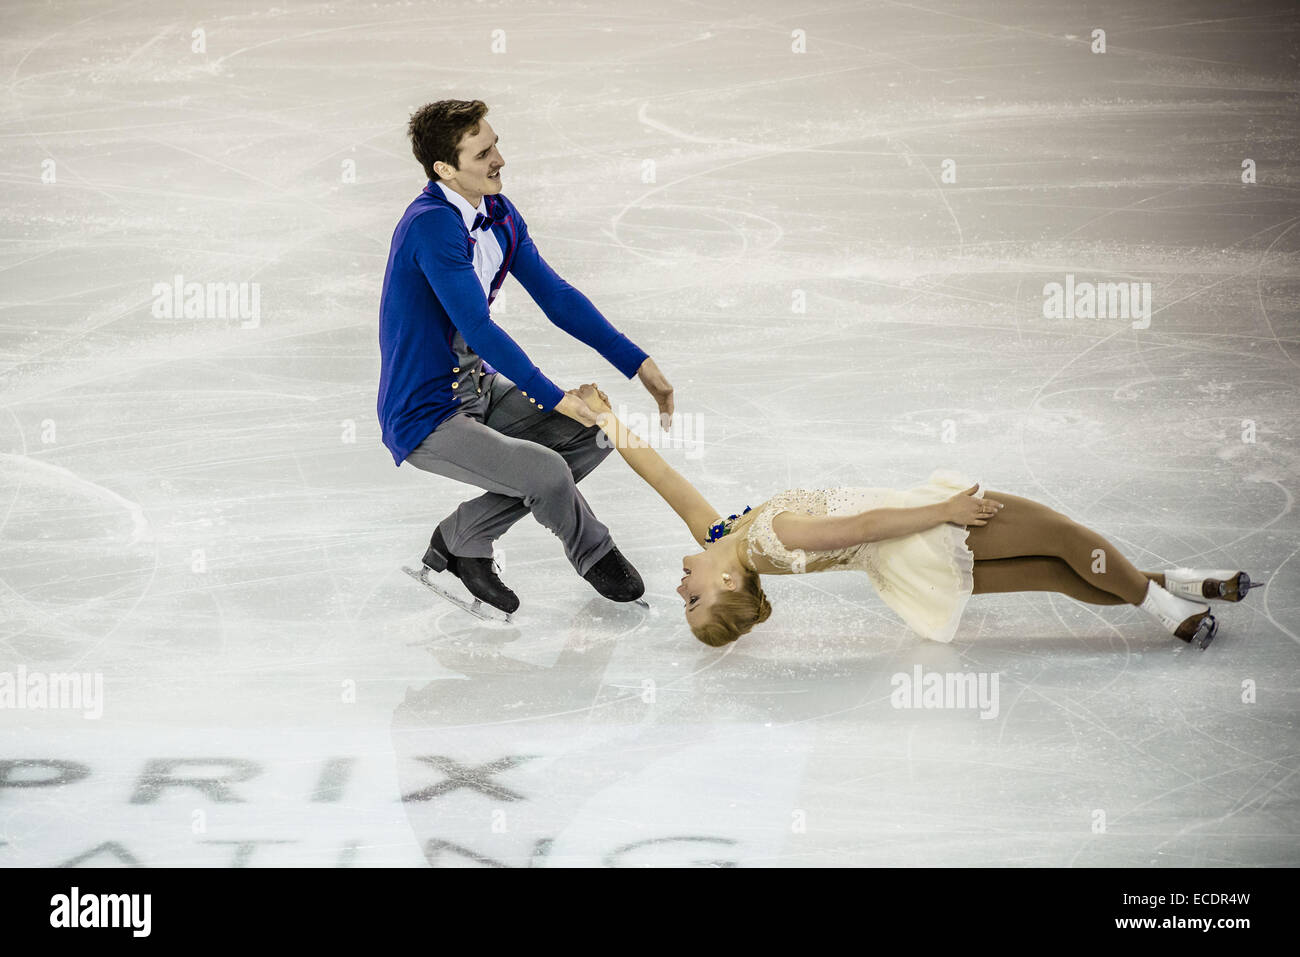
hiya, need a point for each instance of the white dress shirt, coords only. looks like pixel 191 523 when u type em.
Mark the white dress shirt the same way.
pixel 487 251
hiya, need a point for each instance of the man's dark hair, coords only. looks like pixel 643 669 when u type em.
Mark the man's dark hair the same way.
pixel 437 128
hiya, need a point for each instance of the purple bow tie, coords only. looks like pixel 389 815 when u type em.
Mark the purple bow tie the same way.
pixel 482 222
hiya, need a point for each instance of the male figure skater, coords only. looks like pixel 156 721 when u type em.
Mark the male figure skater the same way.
pixel 499 424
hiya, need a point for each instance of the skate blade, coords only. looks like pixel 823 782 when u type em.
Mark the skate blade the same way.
pixel 479 609
pixel 1209 627
pixel 1236 588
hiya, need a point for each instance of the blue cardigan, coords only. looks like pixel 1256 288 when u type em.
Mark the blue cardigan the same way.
pixel 431 291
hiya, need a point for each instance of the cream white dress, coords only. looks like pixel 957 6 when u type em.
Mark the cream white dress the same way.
pixel 924 577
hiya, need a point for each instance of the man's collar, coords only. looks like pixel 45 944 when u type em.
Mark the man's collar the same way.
pixel 467 212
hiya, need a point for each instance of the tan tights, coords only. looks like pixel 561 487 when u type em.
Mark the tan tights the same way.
pixel 1030 547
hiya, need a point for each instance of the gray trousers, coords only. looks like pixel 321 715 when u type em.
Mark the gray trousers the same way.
pixel 528 461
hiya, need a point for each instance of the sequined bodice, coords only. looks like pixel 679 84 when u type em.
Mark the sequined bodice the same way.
pixel 765 549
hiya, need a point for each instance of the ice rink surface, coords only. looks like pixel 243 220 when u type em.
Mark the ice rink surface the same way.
pixel 200 510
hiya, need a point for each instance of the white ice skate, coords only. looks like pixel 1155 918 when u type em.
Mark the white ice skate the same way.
pixel 1188 620
pixel 1197 583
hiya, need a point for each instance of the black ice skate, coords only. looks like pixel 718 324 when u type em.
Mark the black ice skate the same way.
pixel 615 578
pixel 428 578
pixel 478 575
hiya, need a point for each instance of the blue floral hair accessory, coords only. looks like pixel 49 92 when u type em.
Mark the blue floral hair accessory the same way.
pixel 718 529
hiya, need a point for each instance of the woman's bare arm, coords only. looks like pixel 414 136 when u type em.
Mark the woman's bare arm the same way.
pixel 878 524
pixel 672 486
pixel 845 531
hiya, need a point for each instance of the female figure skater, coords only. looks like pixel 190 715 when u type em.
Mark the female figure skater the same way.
pixel 926 551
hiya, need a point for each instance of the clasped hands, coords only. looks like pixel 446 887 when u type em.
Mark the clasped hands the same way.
pixel 587 402
pixel 589 399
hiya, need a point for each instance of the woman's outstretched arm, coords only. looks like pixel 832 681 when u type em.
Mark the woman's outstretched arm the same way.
pixel 844 531
pixel 671 485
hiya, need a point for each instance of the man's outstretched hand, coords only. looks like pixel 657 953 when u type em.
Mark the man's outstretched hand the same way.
pixel 659 387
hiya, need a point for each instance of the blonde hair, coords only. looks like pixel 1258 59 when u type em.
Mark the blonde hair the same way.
pixel 734 613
